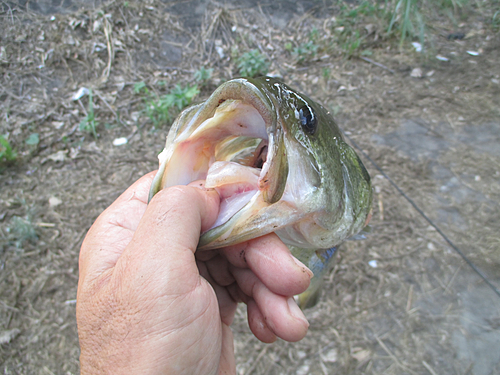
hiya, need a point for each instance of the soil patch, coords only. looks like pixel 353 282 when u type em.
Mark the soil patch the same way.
pixel 421 310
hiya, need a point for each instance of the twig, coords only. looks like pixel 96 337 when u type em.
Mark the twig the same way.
pixel 447 289
pixel 9 11
pixel 376 64
pixel 257 360
pixel 410 297
pixel 393 357
pixel 429 368
pixel 83 108
pixel 10 93
pixel 69 70
pixel 105 102
pixel 107 32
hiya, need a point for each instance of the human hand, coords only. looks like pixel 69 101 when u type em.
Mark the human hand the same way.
pixel 147 304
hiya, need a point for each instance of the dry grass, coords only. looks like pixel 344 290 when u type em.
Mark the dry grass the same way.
pixel 407 316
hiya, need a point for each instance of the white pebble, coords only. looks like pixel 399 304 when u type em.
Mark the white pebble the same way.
pixel 120 141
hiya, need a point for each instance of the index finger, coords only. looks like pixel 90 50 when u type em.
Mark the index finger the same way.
pixel 113 229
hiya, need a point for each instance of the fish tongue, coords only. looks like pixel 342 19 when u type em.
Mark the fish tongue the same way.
pixel 236 185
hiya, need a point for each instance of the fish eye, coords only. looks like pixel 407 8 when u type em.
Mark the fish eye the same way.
pixel 308 119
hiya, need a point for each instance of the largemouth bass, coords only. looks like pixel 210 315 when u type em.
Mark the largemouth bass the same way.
pixel 279 163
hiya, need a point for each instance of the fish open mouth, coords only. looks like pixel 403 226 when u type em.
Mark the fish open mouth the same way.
pixel 233 143
pixel 237 144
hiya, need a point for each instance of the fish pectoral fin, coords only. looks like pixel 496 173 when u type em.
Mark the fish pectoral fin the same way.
pixel 310 297
pixel 320 261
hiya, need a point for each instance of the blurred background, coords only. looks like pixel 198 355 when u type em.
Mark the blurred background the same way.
pixel 88 90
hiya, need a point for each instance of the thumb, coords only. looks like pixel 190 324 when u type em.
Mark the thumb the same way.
pixel 168 233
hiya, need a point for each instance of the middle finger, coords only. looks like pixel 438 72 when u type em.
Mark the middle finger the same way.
pixel 271 261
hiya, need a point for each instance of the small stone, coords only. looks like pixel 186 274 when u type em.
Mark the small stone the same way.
pixel 301 354
pixel 361 355
pixel 473 53
pixel 347 298
pixel 58 156
pixel 7 336
pixel 373 263
pixel 54 201
pixel 82 91
pixel 120 141
pixel 330 356
pixel 304 369
pixel 58 124
pixel 416 73
pixel 417 46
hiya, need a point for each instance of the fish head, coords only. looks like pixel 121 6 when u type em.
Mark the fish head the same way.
pixel 278 161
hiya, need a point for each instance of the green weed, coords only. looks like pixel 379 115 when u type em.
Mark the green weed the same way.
pixel 366 8
pixel 407 20
pixel 350 26
pixel 33 139
pixel 305 52
pixel 252 64
pixel 89 123
pixel 7 154
pixel 202 75
pixel 161 108
pixel 455 4
pixel 158 111
pixel 352 44
pixel 495 20
pixel 402 19
pixel 181 97
pixel 325 72
pixel 21 229
pixel 140 86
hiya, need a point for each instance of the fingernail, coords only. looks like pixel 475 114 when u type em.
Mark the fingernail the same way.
pixel 296 311
pixel 303 267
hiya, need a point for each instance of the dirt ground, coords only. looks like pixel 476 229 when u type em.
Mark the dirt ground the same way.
pixel 433 126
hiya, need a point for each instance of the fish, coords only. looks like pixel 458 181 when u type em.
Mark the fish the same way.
pixel 279 163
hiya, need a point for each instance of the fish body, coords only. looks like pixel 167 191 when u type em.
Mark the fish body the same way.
pixel 279 163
